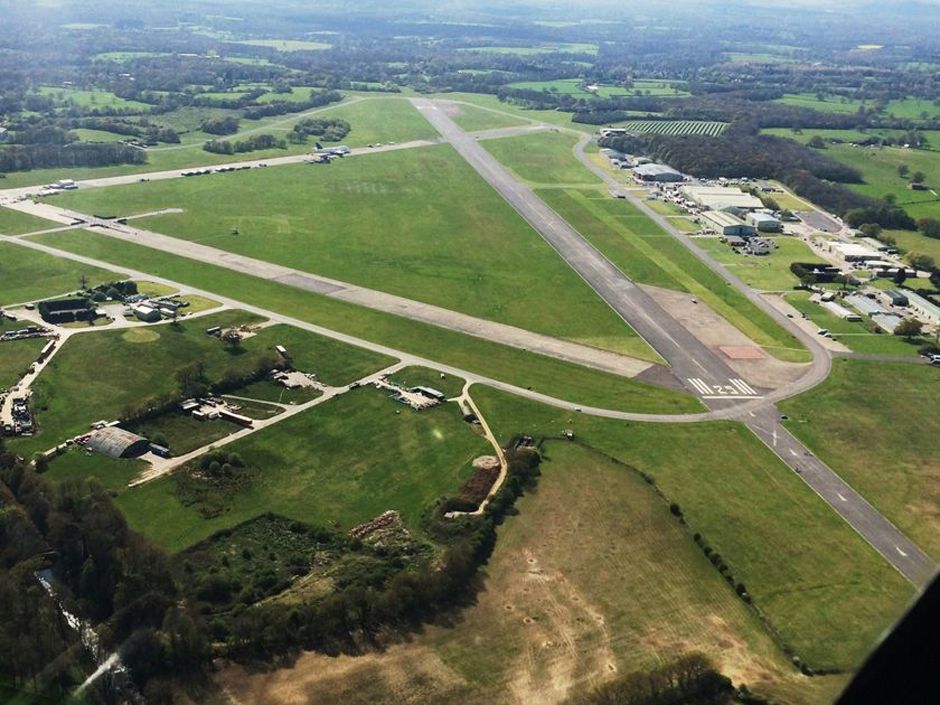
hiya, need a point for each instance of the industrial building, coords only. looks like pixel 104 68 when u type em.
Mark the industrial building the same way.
pixel 896 298
pixel 659 173
pixel 117 442
pixel 925 310
pixel 764 222
pixel 148 314
pixel 719 198
pixel 888 322
pixel 840 311
pixel 726 224
pixel 867 306
pixel 852 252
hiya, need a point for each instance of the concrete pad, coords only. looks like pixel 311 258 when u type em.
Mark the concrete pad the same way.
pixel 748 360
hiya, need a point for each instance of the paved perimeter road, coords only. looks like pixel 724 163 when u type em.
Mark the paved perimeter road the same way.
pixel 686 355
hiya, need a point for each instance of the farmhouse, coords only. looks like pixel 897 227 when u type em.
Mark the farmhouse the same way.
pixel 719 198
pixel 726 224
pixel 117 442
pixel 657 173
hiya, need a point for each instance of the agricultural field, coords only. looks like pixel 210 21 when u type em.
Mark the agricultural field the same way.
pixel 419 223
pixel 675 127
pixel 542 48
pixel 84 135
pixel 858 336
pixel 90 98
pixel 123 56
pixel 623 605
pixel 764 273
pixel 286 44
pixel 751 508
pixel 913 109
pixel 649 255
pixel 827 103
pixel 28 275
pixel 524 369
pixel 409 460
pixel 577 87
pixel 543 158
pixel 892 464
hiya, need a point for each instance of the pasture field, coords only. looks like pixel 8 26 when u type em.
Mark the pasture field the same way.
pixel 181 433
pixel 825 591
pixel 913 109
pixel 74 391
pixel 358 459
pixel 473 118
pixel 16 223
pixel 112 473
pixel 543 158
pixel 544 374
pixel 542 48
pixel 297 94
pixel 828 104
pixel 743 57
pixel 675 127
pixel 577 87
pixel 765 273
pixel 592 578
pixel 893 464
pixel 97 135
pixel 418 223
pixel 649 255
pixel 286 44
pixel 90 99
pixel 17 355
pixel 858 336
pixel 123 56
pixel 911 241
pixel 27 275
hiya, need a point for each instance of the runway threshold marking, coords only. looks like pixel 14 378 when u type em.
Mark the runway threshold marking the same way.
pixel 736 388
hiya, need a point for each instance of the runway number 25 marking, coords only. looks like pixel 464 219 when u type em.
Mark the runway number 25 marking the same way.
pixel 735 389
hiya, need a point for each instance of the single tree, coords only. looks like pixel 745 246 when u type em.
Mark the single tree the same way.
pixel 903 170
pixel 909 328
pixel 918 177
pixel 816 142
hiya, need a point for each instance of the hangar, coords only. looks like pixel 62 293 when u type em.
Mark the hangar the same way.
pixel 657 172
pixel 117 442
pixel 719 198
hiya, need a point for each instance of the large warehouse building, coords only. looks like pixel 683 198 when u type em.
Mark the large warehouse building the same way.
pixel 726 224
pixel 657 173
pixel 719 198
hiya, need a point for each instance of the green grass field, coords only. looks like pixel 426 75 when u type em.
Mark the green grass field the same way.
pixel 359 459
pixel 885 448
pixel 16 223
pixel 543 158
pixel 511 365
pixel 417 223
pixel 90 99
pixel 97 135
pixel 26 275
pixel 577 87
pixel 422 376
pixel 112 473
pixel 542 48
pixel 381 119
pixel 16 356
pixel 828 104
pixel 649 255
pixel 857 336
pixel 472 118
pixel 287 44
pixel 74 390
pixel 592 576
pixel 826 592
pixel 765 273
